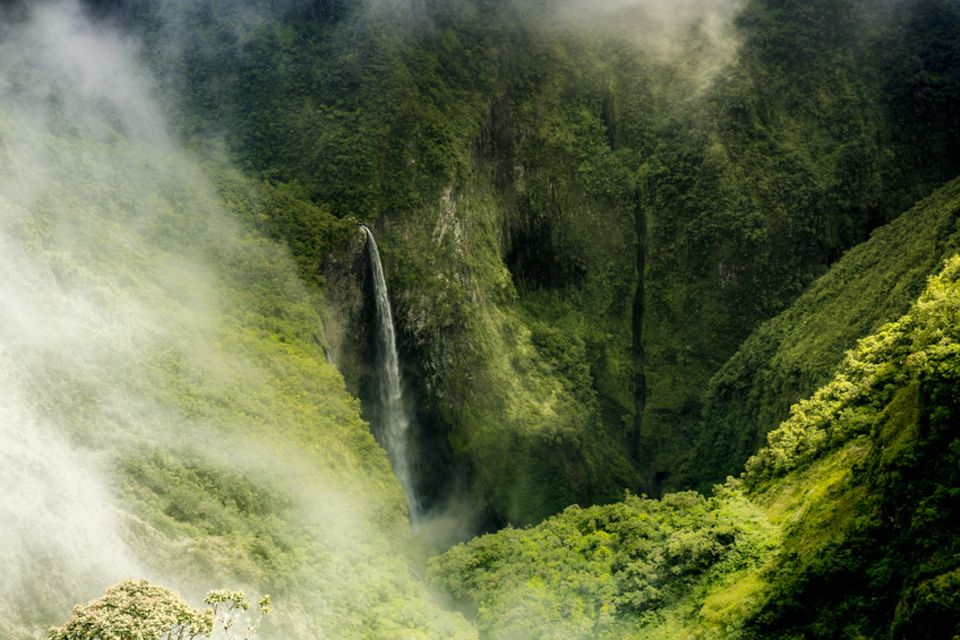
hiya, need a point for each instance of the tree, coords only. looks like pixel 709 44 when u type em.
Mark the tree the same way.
pixel 137 609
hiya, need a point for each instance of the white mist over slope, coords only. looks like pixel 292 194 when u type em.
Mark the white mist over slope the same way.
pixel 56 513
pixel 94 64
pixel 165 408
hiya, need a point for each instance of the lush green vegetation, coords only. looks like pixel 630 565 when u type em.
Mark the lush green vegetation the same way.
pixel 841 527
pixel 603 572
pixel 788 357
pixel 620 267
pixel 529 172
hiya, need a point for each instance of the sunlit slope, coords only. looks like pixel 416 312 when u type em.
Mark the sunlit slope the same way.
pixel 841 527
pixel 167 409
pixel 788 357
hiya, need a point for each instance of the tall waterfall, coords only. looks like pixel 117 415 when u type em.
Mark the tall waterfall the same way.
pixel 394 423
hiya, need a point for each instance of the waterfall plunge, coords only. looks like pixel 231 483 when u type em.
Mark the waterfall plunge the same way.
pixel 394 423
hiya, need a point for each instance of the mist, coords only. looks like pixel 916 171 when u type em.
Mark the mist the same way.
pixel 151 338
pixel 696 39
pixel 55 501
pixel 166 410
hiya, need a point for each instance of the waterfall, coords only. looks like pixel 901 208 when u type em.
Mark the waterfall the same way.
pixel 394 423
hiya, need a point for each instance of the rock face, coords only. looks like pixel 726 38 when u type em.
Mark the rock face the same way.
pixel 504 155
pixel 617 241
pixel 348 330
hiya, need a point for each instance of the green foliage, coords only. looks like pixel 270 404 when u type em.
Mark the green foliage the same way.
pixel 280 212
pixel 791 355
pixel 922 344
pixel 842 527
pixel 892 550
pixel 601 572
pixel 237 529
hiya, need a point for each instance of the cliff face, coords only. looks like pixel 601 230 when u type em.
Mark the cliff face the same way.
pixel 841 526
pixel 512 154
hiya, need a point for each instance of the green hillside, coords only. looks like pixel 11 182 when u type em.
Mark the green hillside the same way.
pixel 164 350
pixel 665 327
pixel 788 357
pixel 842 526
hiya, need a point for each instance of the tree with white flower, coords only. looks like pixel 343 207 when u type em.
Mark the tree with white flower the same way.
pixel 137 609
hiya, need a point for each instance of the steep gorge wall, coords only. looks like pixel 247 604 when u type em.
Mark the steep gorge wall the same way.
pixel 504 158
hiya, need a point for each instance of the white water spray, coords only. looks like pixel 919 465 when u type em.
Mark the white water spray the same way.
pixel 394 427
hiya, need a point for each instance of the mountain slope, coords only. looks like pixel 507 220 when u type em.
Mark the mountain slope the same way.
pixel 623 210
pixel 788 357
pixel 840 527
pixel 168 410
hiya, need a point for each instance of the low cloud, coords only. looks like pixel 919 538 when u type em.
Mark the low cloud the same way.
pixel 696 38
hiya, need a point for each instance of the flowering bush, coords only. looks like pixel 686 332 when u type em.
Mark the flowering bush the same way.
pixel 138 609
